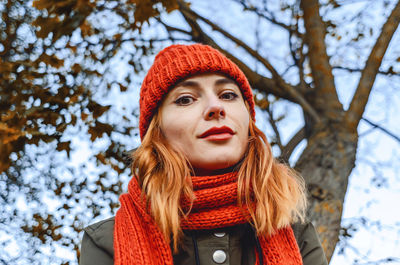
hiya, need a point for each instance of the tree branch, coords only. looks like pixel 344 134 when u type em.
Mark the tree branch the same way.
pixel 326 97
pixel 303 87
pixel 294 95
pixel 273 122
pixel 351 70
pixel 271 19
pixel 170 28
pixel 288 149
pixel 374 61
pixel 374 125
pixel 299 61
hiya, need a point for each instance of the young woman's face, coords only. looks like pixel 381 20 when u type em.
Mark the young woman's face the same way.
pixel 205 118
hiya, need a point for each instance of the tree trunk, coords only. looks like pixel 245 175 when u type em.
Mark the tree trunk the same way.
pixel 326 164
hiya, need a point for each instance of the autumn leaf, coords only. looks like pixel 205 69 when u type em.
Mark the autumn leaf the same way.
pixel 122 88
pixel 55 7
pixel 262 103
pixel 144 11
pixel 99 129
pixel 42 4
pixel 117 36
pixel 8 134
pixel 64 146
pixel 76 68
pixel 73 48
pixel 84 116
pixel 170 5
pixel 74 119
pixel 86 29
pixel 6 66
pixel 46 25
pixel 101 158
pixel 59 188
pixel 97 109
pixel 51 60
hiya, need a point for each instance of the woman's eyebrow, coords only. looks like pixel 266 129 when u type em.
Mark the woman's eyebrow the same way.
pixel 188 83
pixel 223 81
pixel 195 84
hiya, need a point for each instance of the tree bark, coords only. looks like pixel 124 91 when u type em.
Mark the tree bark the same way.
pixel 326 164
pixel 368 74
pixel 326 97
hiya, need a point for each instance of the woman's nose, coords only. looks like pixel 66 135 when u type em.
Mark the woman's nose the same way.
pixel 214 110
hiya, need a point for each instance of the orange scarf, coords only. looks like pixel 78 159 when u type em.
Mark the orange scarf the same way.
pixel 137 240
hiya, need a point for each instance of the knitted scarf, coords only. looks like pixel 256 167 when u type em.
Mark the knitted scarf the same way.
pixel 137 240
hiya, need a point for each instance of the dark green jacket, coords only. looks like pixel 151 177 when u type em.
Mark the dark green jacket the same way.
pixel 236 242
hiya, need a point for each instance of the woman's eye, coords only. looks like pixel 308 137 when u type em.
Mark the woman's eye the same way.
pixel 229 96
pixel 184 101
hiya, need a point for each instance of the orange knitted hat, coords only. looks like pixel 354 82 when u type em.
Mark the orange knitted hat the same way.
pixel 178 62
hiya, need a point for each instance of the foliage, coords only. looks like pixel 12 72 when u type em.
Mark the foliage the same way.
pixel 63 62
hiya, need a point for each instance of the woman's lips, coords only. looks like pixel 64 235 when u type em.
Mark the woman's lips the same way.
pixel 219 137
pixel 217 134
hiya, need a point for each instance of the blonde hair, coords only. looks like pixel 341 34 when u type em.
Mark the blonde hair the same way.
pixel 276 191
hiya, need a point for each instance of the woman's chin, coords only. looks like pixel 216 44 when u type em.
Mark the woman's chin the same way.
pixel 211 170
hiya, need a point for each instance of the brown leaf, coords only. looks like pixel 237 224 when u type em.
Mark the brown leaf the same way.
pixel 51 60
pixel 84 116
pixel 123 88
pixel 99 129
pixel 64 146
pixel 59 188
pixel 86 29
pixel 170 5
pixel 76 68
pixel 8 134
pixel 97 109
pixel 117 36
pixel 144 11
pixel 101 158
pixel 73 99
pixel 73 119
pixel 46 25
pixel 6 66
pixel 42 4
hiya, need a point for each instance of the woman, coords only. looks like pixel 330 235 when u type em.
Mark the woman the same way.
pixel 206 189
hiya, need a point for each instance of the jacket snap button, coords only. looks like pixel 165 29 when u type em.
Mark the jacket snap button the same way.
pixel 219 234
pixel 219 256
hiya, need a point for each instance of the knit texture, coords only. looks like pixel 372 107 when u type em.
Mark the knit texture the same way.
pixel 177 62
pixel 137 240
